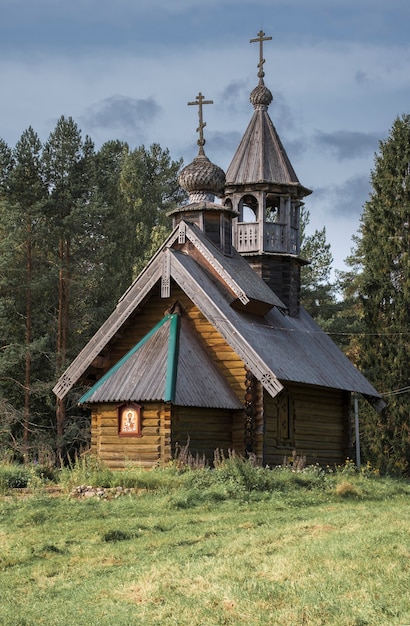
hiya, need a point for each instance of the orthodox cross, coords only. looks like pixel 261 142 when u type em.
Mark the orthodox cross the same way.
pixel 199 102
pixel 261 38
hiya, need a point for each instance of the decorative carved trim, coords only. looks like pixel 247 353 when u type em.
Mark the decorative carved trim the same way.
pixel 166 274
pixel 250 397
pixel 216 317
pixel 182 232
pixel 217 267
pixel 125 307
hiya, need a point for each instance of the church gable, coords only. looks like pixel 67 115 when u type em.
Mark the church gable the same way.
pixel 169 364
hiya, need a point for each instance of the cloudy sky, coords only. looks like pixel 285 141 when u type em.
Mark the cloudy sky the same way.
pixel 339 71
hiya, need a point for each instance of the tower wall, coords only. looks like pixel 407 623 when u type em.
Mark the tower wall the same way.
pixel 282 274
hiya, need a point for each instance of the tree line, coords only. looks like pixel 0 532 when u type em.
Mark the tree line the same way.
pixel 78 224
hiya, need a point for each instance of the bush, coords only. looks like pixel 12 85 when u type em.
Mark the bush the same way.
pixel 16 476
pixel 13 477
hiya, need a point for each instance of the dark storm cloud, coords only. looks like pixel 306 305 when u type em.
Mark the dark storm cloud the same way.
pixel 346 144
pixel 347 199
pixel 78 25
pixel 124 115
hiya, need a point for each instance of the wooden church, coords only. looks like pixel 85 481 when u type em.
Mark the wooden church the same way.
pixel 210 342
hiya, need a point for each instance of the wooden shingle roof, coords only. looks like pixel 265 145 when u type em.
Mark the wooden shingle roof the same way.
pixel 275 346
pixel 261 158
pixel 169 364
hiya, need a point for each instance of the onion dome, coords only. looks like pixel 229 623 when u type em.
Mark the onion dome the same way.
pixel 261 95
pixel 202 179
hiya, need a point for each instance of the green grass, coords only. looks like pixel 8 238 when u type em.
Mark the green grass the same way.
pixel 234 546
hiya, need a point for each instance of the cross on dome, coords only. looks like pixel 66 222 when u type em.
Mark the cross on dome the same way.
pixel 199 102
pixel 261 38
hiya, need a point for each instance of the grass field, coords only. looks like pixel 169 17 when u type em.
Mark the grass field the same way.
pixel 206 548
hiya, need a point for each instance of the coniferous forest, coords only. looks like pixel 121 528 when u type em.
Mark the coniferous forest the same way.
pixel 78 224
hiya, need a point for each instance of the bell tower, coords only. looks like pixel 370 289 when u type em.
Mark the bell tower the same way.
pixel 262 186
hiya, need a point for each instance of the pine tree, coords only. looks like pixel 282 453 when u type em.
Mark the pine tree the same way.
pixel 67 161
pixel 150 189
pixel 382 283
pixel 75 228
pixel 317 291
pixel 22 290
pixel 116 224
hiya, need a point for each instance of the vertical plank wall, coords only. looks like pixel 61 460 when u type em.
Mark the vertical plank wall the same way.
pixel 321 426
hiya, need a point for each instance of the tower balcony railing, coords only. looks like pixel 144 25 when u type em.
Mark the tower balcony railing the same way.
pixel 246 236
pixel 277 238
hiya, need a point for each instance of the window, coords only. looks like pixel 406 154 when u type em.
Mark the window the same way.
pixel 285 413
pixel 129 420
pixel 248 209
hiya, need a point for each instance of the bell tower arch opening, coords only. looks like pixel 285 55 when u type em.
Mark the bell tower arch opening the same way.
pixel 248 209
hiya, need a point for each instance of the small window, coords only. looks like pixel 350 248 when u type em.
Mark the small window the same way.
pixel 272 209
pixel 129 420
pixel 285 412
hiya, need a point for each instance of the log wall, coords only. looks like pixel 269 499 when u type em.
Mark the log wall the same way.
pixel 320 425
pixel 321 430
pixel 206 429
pixel 119 452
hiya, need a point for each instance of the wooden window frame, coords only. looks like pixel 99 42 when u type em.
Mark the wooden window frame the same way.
pixel 134 430
pixel 285 412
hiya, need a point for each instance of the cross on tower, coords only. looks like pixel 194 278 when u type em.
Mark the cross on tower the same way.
pixel 261 38
pixel 199 102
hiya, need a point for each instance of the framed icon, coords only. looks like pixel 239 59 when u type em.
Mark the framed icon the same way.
pixel 129 420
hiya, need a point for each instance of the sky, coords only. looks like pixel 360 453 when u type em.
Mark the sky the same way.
pixel 339 72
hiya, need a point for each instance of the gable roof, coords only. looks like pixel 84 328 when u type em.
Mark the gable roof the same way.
pixel 237 277
pixel 276 347
pixel 169 364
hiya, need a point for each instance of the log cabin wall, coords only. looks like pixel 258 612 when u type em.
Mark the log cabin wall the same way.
pixel 119 452
pixel 206 429
pixel 318 425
